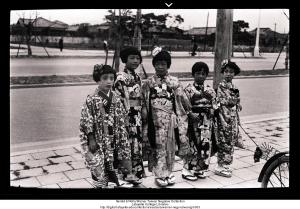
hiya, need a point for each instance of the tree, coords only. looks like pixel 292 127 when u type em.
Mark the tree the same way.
pixel 240 35
pixel 239 25
pixel 83 29
pixel 176 20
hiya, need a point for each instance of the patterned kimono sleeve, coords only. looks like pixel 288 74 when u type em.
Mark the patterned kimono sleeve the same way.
pixel 214 101
pixel 222 97
pixel 183 99
pixel 86 125
pixel 188 92
pixel 124 151
pixel 120 84
pixel 182 105
pixel 145 105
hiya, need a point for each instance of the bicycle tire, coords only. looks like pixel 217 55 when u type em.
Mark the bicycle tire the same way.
pixel 271 168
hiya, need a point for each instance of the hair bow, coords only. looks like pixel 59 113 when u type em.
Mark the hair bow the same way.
pixel 98 67
pixel 224 63
pixel 156 50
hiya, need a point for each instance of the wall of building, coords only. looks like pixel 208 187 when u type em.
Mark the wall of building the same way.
pixel 55 39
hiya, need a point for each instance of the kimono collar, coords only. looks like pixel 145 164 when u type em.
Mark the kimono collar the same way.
pixel 106 98
pixel 133 73
pixel 162 77
pixel 225 83
pixel 198 86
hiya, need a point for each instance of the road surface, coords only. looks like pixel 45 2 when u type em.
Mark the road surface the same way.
pixel 79 66
pixel 52 113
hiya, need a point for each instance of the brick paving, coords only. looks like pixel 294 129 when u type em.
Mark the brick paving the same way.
pixel 64 168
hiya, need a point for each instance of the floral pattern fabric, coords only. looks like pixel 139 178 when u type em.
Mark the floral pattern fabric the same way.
pixel 165 103
pixel 128 86
pixel 203 101
pixel 227 121
pixel 107 125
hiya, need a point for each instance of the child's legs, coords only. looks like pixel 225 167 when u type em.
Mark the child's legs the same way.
pixel 225 147
pixel 100 179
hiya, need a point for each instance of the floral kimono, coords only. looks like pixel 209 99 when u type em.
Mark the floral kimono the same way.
pixel 227 121
pixel 128 86
pixel 166 127
pixel 103 116
pixel 203 101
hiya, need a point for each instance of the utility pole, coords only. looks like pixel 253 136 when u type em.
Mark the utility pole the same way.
pixel 118 46
pixel 256 48
pixel 274 42
pixel 137 39
pixel 230 25
pixel 287 54
pixel 206 32
pixel 223 41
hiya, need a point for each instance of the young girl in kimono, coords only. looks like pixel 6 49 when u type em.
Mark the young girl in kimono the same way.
pixel 103 135
pixel 164 119
pixel 128 86
pixel 203 101
pixel 227 119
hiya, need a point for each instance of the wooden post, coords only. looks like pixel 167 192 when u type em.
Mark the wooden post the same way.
pixel 137 39
pixel 223 41
pixel 287 54
pixel 206 33
pixel 118 46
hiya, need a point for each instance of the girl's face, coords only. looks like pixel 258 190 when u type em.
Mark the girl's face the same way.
pixel 133 62
pixel 200 76
pixel 161 67
pixel 106 81
pixel 228 74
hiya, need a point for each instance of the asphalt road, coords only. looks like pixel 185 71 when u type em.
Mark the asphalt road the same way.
pixel 52 113
pixel 79 66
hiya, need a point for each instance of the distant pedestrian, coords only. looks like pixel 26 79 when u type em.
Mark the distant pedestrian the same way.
pixel 103 135
pixel 105 47
pixel 227 133
pixel 195 47
pixel 61 44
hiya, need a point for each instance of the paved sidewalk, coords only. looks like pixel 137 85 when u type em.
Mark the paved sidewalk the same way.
pixel 63 166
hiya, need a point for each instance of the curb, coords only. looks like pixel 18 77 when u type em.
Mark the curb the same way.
pixel 110 57
pixel 18 86
pixel 34 147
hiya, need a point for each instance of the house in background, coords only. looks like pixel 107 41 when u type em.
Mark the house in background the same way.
pixel 40 27
pixel 268 37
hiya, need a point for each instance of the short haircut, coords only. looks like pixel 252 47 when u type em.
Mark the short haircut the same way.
pixel 130 51
pixel 198 66
pixel 100 70
pixel 162 56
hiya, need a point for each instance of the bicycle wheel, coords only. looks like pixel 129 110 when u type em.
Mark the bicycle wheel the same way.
pixel 277 174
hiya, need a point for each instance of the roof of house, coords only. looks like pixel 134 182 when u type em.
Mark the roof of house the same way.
pixel 73 28
pixel 265 31
pixel 200 31
pixel 41 22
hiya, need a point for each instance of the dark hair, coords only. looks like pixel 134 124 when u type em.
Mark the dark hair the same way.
pixel 232 65
pixel 100 70
pixel 162 56
pixel 198 66
pixel 130 51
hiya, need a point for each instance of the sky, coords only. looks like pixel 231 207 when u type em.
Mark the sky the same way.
pixel 192 17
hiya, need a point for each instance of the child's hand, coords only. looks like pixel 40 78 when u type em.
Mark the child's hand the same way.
pixel 93 146
pixel 194 116
pixel 239 107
